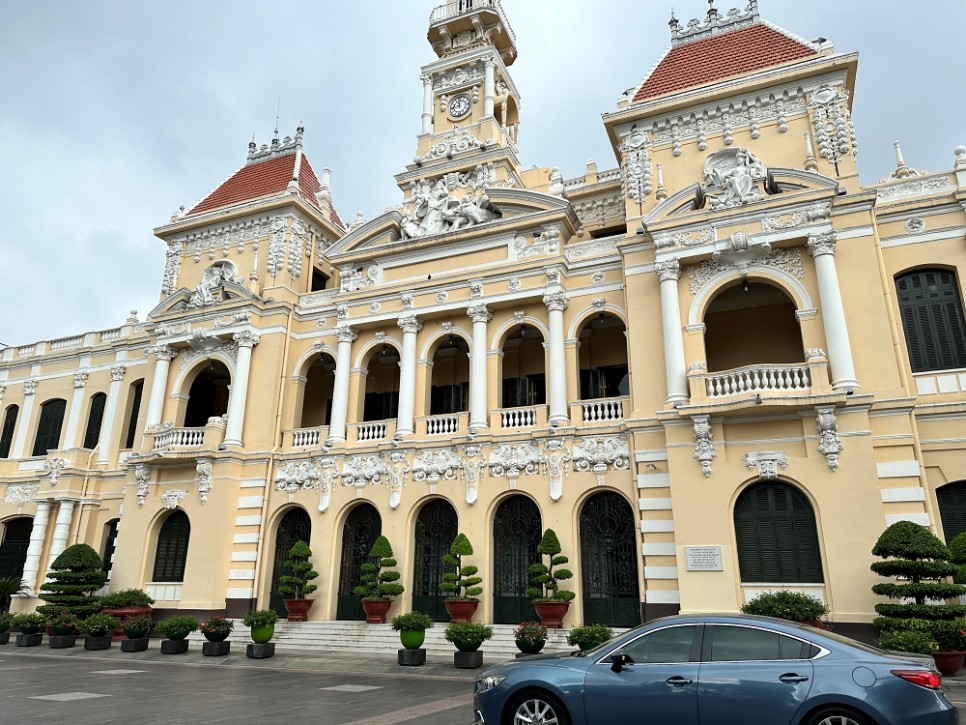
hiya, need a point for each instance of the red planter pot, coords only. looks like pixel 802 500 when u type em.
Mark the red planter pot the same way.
pixel 376 610
pixel 122 614
pixel 298 609
pixel 460 610
pixel 948 663
pixel 551 613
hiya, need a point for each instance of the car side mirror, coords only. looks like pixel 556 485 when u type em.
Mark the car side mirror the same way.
pixel 618 660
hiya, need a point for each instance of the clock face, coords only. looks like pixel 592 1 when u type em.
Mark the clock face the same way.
pixel 459 106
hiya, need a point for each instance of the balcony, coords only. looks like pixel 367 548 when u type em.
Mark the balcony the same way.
pixel 599 410
pixel 372 431
pixel 177 440
pixel 446 424
pixel 751 382
pixel 530 416
pixel 305 437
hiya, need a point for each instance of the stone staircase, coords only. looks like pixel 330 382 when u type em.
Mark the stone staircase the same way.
pixel 371 639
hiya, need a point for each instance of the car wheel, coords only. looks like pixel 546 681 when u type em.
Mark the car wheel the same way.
pixel 838 716
pixel 538 708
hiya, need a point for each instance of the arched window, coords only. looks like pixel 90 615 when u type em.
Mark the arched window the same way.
pixel 932 318
pixel 169 560
pixel 110 542
pixel 94 418
pixel 49 427
pixel 952 508
pixel 134 407
pixel 13 550
pixel 776 534
pixel 6 434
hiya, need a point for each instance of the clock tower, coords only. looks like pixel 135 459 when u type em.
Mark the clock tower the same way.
pixel 470 120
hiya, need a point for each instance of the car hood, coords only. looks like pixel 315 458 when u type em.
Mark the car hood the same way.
pixel 570 660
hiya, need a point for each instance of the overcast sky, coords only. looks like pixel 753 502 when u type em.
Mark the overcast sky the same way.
pixel 113 113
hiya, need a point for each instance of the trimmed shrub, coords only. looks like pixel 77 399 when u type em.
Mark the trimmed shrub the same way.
pixel 460 580
pixel 785 604
pixel 74 577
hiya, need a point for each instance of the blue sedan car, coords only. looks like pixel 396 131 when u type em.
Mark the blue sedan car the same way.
pixel 716 670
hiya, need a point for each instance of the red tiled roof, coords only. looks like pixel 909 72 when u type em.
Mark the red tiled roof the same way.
pixel 747 49
pixel 261 179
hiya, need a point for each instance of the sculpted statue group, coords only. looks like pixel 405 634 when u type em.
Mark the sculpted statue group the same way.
pixel 437 210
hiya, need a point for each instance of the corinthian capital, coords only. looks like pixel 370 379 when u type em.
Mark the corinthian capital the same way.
pixel 479 313
pixel 821 243
pixel 30 386
pixel 246 338
pixel 669 270
pixel 556 301
pixel 344 333
pixel 410 323
pixel 162 352
pixel 117 373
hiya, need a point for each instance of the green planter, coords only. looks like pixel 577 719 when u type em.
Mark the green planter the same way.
pixel 412 638
pixel 261 635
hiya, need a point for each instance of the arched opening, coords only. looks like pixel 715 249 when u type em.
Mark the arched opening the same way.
pixel 952 508
pixel 50 426
pixel 436 527
pixel 208 395
pixel 110 543
pixel 382 385
pixel 751 323
pixel 295 525
pixel 133 411
pixel 608 561
pixel 524 377
pixel 360 531
pixel 172 550
pixel 13 548
pixel 776 535
pixel 517 528
pixel 6 433
pixel 317 395
pixel 603 358
pixel 94 417
pixel 449 392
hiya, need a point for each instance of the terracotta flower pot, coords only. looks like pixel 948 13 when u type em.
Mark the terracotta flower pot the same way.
pixel 122 615
pixel 948 663
pixel 551 613
pixel 460 610
pixel 298 609
pixel 376 610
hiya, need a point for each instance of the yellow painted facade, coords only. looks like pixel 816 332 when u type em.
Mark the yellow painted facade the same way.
pixel 667 363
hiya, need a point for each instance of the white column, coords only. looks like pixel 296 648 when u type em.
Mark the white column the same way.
pixel 822 247
pixel 38 533
pixel 556 303
pixel 238 397
pixel 478 414
pixel 410 325
pixel 61 530
pixel 73 437
pixel 110 414
pixel 489 86
pixel 340 388
pixel 427 80
pixel 677 375
pixel 23 420
pixel 159 382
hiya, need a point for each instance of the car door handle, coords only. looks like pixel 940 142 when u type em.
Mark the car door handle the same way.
pixel 793 679
pixel 678 681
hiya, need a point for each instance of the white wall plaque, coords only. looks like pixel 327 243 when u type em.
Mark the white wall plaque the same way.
pixel 703 558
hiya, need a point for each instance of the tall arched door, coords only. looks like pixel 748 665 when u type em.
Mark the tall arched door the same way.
pixel 13 550
pixel 952 508
pixel 608 559
pixel 362 528
pixel 294 526
pixel 516 532
pixel 436 527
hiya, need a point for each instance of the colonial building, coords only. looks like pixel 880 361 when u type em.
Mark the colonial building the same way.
pixel 720 368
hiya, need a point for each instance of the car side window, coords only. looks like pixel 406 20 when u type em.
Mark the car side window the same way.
pixel 743 644
pixel 671 644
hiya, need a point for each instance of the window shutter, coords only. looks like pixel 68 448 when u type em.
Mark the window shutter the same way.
pixel 932 320
pixel 94 419
pixel 49 427
pixel 172 551
pixel 6 437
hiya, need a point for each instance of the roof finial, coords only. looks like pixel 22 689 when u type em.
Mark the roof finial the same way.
pixel 278 108
pixel 252 148
pixel 673 23
pixel 712 11
pixel 902 171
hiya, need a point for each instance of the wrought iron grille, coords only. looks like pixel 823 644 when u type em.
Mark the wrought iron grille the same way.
pixel 608 556
pixel 360 532
pixel 294 526
pixel 436 527
pixel 516 532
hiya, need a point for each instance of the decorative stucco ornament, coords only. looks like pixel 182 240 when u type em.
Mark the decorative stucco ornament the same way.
pixel 766 463
pixel 210 290
pixel 829 444
pixel 554 459
pixel 171 499
pixel 432 466
pixel 732 177
pixel 514 459
pixel 436 208
pixel 357 471
pixel 54 466
pixel 704 452
pixel 296 475
pixel 328 471
pixel 143 477
pixel 472 465
pixel 601 454
pixel 203 469
pixel 397 467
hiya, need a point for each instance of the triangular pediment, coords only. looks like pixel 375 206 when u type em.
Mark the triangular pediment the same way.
pixel 187 300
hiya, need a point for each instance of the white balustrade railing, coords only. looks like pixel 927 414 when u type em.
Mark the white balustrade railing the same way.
pixel 110 335
pixel 371 431
pixel 306 437
pixel 442 425
pixel 602 409
pixel 758 378
pixel 67 342
pixel 518 417
pixel 185 437
pixel 26 350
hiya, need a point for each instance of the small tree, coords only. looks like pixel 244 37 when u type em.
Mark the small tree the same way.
pixel 546 578
pixel 295 584
pixel 74 577
pixel 912 553
pixel 957 555
pixel 461 580
pixel 379 580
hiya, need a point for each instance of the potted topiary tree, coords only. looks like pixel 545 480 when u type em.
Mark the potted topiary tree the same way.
pixel 136 630
pixel 790 605
pixel 124 604
pixel 467 637
pixel 262 624
pixel 216 630
pixel 589 636
pixel 294 585
pixel 30 626
pixel 920 561
pixel 412 633
pixel 98 628
pixel 176 630
pixel 379 582
pixel 460 581
pixel 549 600
pixel 74 576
